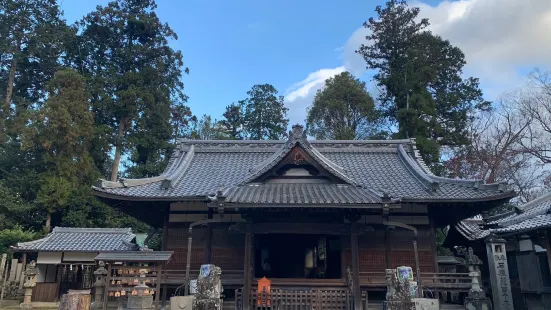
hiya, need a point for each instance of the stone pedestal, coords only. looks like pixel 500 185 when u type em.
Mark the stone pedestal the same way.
pixel 499 273
pixel 30 274
pixel 181 302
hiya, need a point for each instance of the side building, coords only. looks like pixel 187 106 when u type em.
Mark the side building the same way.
pixel 526 232
pixel 302 213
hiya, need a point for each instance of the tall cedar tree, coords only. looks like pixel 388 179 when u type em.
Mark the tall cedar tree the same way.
pixel 420 77
pixel 60 133
pixel 342 110
pixel 33 37
pixel 135 76
pixel 265 114
pixel 233 122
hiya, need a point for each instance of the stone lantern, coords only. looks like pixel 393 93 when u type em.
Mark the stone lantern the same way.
pixel 476 300
pixel 30 275
pixel 101 276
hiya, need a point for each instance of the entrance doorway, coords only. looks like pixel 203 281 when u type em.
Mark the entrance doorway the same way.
pixel 298 256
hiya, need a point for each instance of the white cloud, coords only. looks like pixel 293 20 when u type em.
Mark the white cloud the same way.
pixel 498 37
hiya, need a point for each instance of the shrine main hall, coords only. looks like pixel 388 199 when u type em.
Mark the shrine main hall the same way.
pixel 310 214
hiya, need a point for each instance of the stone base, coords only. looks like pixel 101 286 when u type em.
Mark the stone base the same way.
pixel 478 304
pixel 207 304
pixel 181 302
pixel 398 305
pixel 140 302
pixel 426 304
pixel 26 305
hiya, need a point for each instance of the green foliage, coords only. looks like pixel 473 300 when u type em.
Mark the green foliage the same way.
pixel 134 76
pixel 10 237
pixel 420 75
pixel 265 114
pixel 342 110
pixel 233 121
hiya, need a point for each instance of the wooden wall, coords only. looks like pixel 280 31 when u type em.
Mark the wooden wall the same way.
pixel 227 248
pixel 373 251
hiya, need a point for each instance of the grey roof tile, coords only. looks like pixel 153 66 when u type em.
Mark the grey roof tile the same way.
pixel 64 239
pixel 378 166
pixel 312 194
pixel 535 214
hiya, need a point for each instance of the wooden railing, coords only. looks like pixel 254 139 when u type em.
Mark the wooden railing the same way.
pixel 448 281
pixel 177 277
pixel 307 299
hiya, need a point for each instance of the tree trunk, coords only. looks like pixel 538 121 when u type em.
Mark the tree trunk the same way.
pixel 118 150
pixel 48 224
pixel 6 104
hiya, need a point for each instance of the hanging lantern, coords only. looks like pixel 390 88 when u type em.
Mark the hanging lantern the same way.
pixel 112 282
pixel 134 292
pixel 146 292
pixel 119 282
pixel 123 293
pixel 136 282
pixel 119 271
pixel 117 294
pixel 111 294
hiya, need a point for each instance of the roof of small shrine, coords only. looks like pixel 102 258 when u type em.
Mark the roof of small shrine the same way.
pixel 69 239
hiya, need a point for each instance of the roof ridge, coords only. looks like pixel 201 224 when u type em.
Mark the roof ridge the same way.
pixel 177 173
pixel 90 230
pixel 417 171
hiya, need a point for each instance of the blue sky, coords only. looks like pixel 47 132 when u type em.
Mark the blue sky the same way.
pixel 295 45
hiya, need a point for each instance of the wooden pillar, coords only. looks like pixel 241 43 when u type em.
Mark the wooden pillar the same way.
pixel 434 245
pixel 548 247
pixel 164 241
pixel 388 248
pixel 355 267
pixel 247 277
pixel 208 240
pixel 158 286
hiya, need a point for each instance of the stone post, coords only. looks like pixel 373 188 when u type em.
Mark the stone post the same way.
pixel 208 289
pixel 499 273
pixel 30 274
pixel 101 274
pixel 476 300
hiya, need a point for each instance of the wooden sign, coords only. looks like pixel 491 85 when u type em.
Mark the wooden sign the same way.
pixel 264 291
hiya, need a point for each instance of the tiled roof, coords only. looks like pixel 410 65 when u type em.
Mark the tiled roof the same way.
pixel 533 215
pixel 63 239
pixel 313 194
pixel 137 256
pixel 199 168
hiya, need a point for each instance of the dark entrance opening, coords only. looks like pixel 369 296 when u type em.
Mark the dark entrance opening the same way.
pixel 298 256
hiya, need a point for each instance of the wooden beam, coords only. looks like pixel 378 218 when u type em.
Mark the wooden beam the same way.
pixel 338 229
pixel 355 266
pixel 247 276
